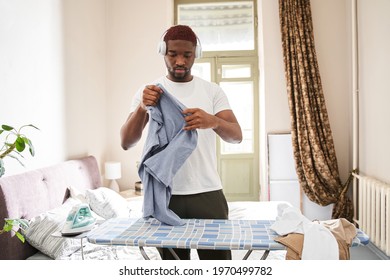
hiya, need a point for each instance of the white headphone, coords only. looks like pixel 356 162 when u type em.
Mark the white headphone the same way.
pixel 162 47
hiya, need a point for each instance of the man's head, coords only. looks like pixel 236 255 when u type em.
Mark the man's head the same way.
pixel 179 48
pixel 180 32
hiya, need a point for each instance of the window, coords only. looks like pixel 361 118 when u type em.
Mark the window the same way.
pixel 222 26
pixel 227 33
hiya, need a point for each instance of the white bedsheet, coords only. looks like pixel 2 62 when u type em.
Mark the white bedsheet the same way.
pixel 254 210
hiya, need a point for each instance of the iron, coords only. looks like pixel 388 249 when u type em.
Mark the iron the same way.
pixel 79 220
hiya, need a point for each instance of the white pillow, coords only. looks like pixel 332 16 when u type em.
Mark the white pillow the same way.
pixel 107 203
pixel 80 196
pixel 41 227
pixel 136 209
pixel 77 194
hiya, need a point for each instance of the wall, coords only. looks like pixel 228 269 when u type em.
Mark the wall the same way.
pixel 272 85
pixel 32 77
pixel 84 33
pixel 133 32
pixel 52 74
pixel 374 88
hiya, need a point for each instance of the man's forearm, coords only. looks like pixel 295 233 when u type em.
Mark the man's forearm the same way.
pixel 131 131
pixel 228 131
pixel 227 127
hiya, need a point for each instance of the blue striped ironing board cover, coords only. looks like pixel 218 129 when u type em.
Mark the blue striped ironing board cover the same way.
pixel 195 234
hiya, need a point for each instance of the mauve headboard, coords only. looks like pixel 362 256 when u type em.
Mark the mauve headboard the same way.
pixel 28 194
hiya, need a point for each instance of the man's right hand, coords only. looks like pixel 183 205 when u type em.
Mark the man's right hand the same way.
pixel 150 96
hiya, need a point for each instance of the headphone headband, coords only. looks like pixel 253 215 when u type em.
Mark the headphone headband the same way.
pixel 162 47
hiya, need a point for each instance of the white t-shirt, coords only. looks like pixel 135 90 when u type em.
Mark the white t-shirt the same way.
pixel 199 172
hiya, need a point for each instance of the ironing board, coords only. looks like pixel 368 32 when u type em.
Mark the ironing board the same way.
pixel 195 234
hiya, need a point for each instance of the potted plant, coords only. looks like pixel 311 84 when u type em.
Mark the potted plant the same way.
pixel 13 145
pixel 10 224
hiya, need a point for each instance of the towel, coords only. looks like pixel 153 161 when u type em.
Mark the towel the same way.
pixel 166 149
pixel 318 242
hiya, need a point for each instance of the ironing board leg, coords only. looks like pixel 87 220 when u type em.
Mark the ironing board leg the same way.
pixel 265 255
pixel 82 250
pixel 143 253
pixel 174 254
pixel 146 257
pixel 247 254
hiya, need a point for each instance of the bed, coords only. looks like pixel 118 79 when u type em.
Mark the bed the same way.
pixel 45 196
pixel 32 193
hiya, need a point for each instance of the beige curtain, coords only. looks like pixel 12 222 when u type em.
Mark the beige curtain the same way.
pixel 313 147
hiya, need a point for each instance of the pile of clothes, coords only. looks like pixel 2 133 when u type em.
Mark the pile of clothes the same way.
pixel 313 240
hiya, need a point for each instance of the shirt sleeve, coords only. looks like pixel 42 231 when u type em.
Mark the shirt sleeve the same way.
pixel 221 101
pixel 136 100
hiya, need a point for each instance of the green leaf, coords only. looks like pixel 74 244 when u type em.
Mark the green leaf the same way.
pixel 25 139
pixel 7 226
pixel 29 143
pixel 14 144
pixel 7 127
pixel 2 168
pixel 20 236
pixel 20 144
pixel 31 149
pixel 10 222
pixel 33 126
pixel 30 125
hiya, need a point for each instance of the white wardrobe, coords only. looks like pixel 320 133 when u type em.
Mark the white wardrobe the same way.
pixel 283 180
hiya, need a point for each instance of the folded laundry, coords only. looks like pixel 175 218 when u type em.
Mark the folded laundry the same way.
pixel 166 149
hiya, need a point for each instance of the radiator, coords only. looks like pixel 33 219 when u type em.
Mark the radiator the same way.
pixel 373 206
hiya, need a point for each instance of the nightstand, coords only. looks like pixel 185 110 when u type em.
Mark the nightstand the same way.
pixel 130 194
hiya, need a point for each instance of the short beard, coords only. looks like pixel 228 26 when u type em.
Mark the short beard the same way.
pixel 179 78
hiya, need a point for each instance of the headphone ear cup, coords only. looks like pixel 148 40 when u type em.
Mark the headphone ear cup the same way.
pixel 162 48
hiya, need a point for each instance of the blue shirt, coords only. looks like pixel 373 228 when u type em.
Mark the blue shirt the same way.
pixel 166 148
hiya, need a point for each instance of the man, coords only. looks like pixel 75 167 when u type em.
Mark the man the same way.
pixel 196 187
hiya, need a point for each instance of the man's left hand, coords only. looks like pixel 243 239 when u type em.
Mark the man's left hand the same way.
pixel 197 118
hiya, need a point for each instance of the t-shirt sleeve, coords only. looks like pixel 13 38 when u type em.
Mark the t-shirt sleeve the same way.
pixel 136 100
pixel 221 101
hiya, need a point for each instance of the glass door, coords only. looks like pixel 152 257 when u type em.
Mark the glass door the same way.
pixel 227 33
pixel 238 164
